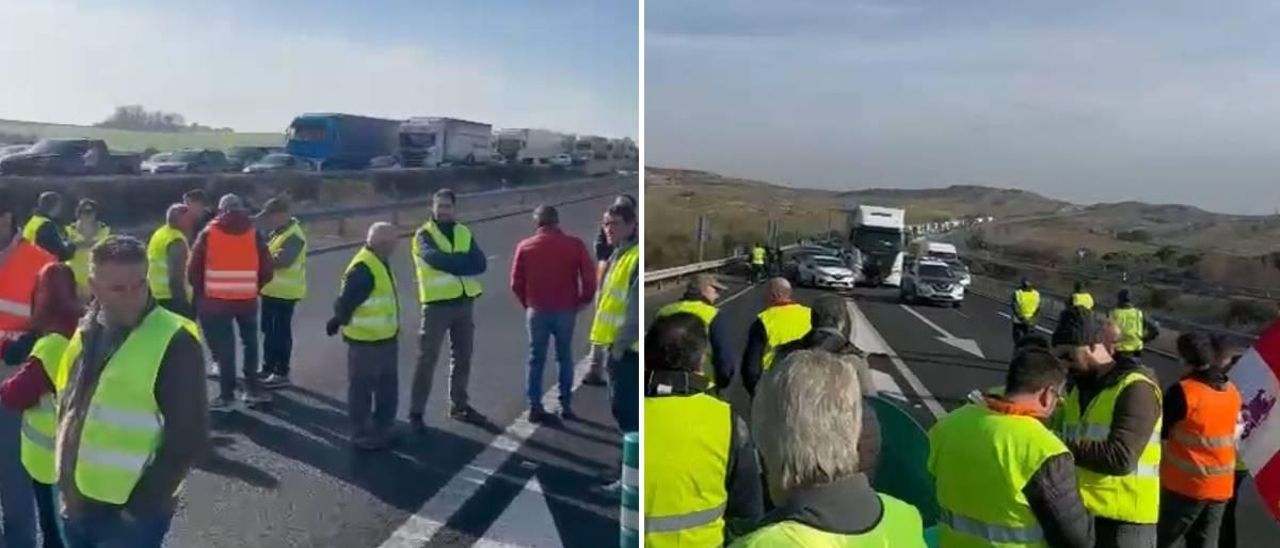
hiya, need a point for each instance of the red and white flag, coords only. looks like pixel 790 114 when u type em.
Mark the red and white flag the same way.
pixel 1257 376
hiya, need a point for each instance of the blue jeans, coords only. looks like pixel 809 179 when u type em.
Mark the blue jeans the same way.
pixel 113 530
pixel 17 498
pixel 542 327
pixel 624 390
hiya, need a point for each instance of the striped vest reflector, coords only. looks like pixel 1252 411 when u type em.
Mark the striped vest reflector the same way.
pixel 289 282
pixel 611 308
pixel 378 317
pixel 231 265
pixel 158 261
pixel 19 271
pixel 900 527
pixel 40 423
pixel 1129 320
pixel 123 427
pixel 686 461
pixel 1200 455
pixel 1133 497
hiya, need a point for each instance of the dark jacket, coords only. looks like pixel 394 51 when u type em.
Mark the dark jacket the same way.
pixel 234 222
pixel 753 355
pixel 847 506
pixel 1175 399
pixel 180 394
pixel 50 238
pixel 356 288
pixel 835 343
pixel 1134 420
pixel 471 263
pixel 742 475
pixel 289 251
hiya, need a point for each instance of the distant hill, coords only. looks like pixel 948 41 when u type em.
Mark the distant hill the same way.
pixel 14 131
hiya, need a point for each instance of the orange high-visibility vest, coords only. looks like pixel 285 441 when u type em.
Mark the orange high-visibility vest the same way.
pixel 19 272
pixel 1199 459
pixel 231 265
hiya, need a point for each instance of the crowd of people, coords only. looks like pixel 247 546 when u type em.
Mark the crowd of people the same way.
pixel 1079 447
pixel 105 407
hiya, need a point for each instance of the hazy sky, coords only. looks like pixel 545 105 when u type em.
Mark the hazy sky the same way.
pixel 1161 101
pixel 569 65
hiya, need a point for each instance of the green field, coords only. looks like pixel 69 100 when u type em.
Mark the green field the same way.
pixel 137 141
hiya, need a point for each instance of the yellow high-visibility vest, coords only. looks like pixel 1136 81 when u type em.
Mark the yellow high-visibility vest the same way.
pixel 757 256
pixel 1028 302
pixel 1082 299
pixel 289 282
pixel 40 423
pixel 686 462
pixel 79 262
pixel 434 285
pixel 783 324
pixel 611 309
pixel 708 314
pixel 1130 322
pixel 378 317
pixel 158 261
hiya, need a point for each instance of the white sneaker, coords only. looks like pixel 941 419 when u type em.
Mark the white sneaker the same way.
pixel 213 372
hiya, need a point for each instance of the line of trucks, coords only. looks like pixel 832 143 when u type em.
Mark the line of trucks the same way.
pixel 327 141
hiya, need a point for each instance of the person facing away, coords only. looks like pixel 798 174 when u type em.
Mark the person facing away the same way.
pixel 699 299
pixel 552 278
pixel 1197 469
pixel 167 252
pixel 86 232
pixel 806 421
pixel 701 476
pixel 367 312
pixel 1136 328
pixel 1080 296
pixel 54 313
pixel 1002 477
pixel 229 266
pixel 782 321
pixel 1024 305
pixel 287 244
pixel 1110 420
pixel 447 260
pixel 44 230
pixel 130 364
pixel 833 332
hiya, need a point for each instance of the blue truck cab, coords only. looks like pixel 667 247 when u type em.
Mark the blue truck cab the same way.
pixel 341 141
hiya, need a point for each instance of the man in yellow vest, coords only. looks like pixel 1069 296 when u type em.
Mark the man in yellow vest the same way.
pixel 368 314
pixel 1081 296
pixel 1002 477
pixel 758 256
pixel 131 366
pixel 86 232
pixel 599 355
pixel 1025 305
pixel 1136 328
pixel 447 260
pixel 1111 422
pixel 701 477
pixel 805 419
pixel 167 262
pixel 43 228
pixel 287 244
pixel 616 324
pixel 781 322
pixel 699 299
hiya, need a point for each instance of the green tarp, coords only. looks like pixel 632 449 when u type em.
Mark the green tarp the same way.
pixel 904 454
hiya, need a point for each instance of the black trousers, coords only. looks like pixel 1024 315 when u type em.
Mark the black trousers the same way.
pixel 50 520
pixel 1020 330
pixel 277 335
pixel 1197 522
pixel 1227 533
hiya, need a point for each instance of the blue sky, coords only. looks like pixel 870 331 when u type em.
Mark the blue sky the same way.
pixel 569 65
pixel 1162 101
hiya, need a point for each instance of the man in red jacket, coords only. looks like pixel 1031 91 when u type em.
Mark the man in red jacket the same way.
pixel 553 278
pixel 229 265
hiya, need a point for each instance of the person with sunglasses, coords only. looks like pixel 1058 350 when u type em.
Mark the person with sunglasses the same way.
pixel 1111 420
pixel 1003 441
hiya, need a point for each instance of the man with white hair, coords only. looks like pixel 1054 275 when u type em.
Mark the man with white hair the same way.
pixel 805 419
pixel 167 261
pixel 782 321
pixel 368 314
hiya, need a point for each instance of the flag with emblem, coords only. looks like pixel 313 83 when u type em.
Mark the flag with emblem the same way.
pixel 1257 376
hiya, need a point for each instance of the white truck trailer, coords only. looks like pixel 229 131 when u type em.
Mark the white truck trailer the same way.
pixel 532 146
pixel 879 233
pixel 435 141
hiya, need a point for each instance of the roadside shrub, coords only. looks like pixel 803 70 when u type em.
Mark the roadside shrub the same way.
pixel 1246 313
pixel 1136 235
pixel 1163 298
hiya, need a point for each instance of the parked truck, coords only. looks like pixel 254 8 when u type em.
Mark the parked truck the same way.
pixel 70 157
pixel 341 141
pixel 879 234
pixel 435 141
pixel 590 147
pixel 532 146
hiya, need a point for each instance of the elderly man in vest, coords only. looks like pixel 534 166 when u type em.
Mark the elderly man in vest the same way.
pixel 368 314
pixel 229 265
pixel 1110 420
pixel 447 260
pixel 805 420
pixel 781 322
pixel 700 300
pixel 44 230
pixel 167 262
pixel 1002 477
pixel 130 367
pixel 287 244
pixel 20 264
pixel 701 477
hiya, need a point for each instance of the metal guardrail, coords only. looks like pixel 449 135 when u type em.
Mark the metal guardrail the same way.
pixel 677 272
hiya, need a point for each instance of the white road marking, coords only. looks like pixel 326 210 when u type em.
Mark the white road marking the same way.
pixel 744 291
pixel 868 339
pixel 966 345
pixel 1039 328
pixel 445 503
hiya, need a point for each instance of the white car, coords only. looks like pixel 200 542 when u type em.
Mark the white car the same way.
pixel 152 164
pixel 825 271
pixel 562 160
pixel 931 280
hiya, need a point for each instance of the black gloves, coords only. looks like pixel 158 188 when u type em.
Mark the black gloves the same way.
pixel 331 327
pixel 16 351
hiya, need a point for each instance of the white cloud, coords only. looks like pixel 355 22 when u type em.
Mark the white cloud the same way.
pixel 74 63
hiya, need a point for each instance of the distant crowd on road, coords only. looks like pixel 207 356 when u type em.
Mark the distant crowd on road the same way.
pixel 106 411
pixel 1079 446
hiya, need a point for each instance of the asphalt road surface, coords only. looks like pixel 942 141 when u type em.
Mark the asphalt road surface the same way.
pixel 928 357
pixel 287 476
